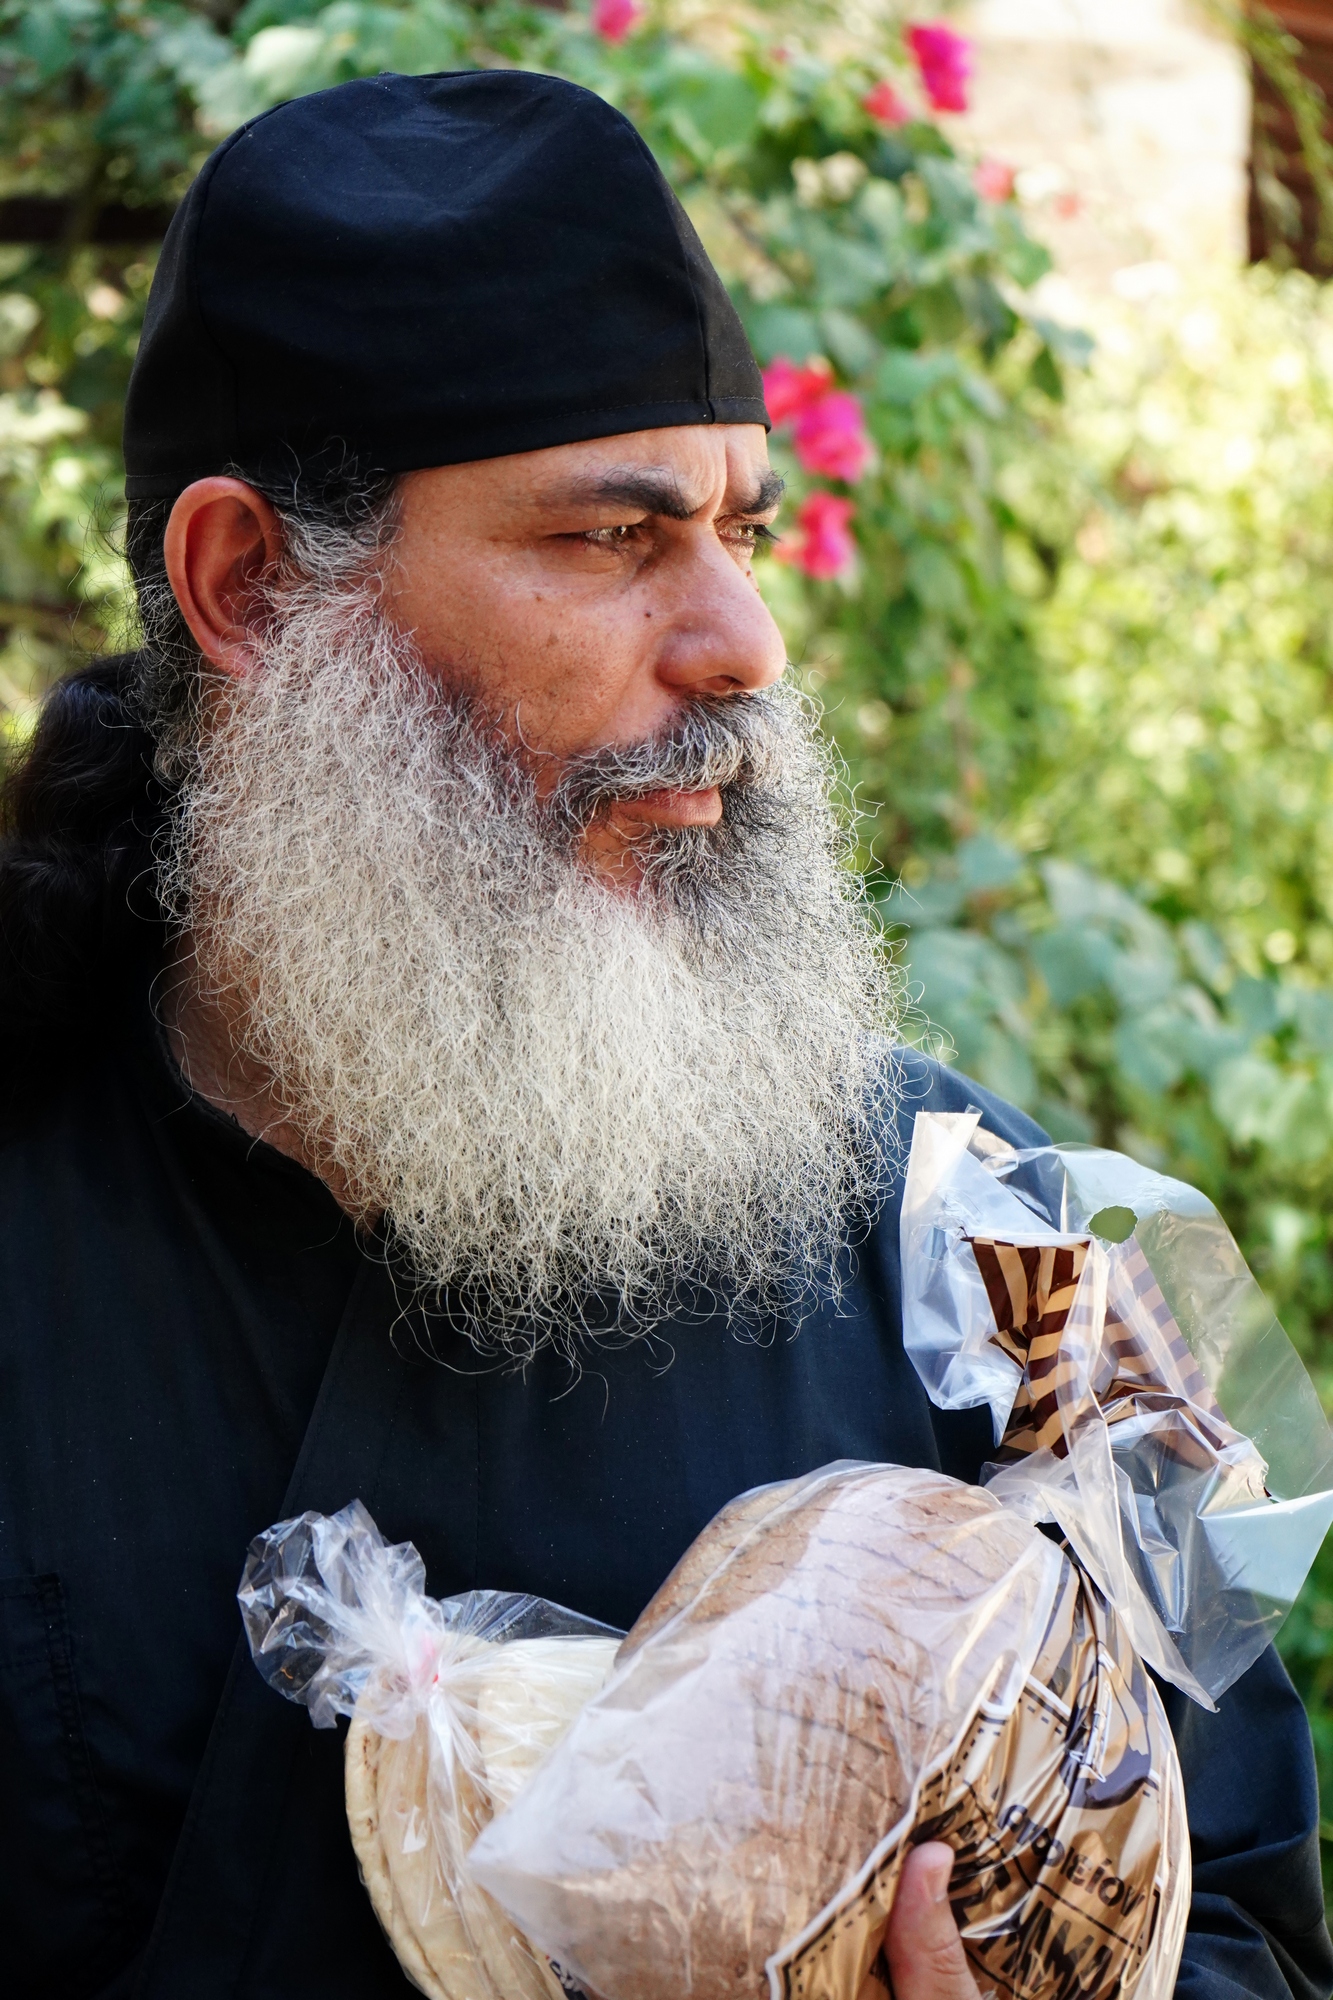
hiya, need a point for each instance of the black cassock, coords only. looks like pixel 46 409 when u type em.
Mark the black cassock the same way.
pixel 192 1345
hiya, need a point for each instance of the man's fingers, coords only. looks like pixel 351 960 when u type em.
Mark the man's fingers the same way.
pixel 924 1951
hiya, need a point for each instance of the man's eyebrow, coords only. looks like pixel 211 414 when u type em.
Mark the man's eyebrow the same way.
pixel 764 496
pixel 657 491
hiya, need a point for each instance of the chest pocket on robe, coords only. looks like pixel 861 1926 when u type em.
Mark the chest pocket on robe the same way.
pixel 57 1901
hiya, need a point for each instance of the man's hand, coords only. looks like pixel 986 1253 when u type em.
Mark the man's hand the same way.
pixel 922 1951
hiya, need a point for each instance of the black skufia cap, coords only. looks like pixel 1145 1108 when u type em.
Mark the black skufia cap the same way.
pixel 424 270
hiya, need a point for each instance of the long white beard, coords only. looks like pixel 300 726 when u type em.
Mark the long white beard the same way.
pixel 551 1088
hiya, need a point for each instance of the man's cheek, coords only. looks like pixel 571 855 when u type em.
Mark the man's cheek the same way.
pixel 594 682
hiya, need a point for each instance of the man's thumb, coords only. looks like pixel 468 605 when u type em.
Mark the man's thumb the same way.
pixel 924 1951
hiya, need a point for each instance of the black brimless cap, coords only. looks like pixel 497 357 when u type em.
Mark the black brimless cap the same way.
pixel 423 270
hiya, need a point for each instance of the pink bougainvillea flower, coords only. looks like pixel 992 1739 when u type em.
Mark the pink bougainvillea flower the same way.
pixel 825 548
pixel 788 389
pixel 829 429
pixel 945 62
pixel 613 19
pixel 884 104
pixel 830 437
pixel 1068 204
pixel 993 180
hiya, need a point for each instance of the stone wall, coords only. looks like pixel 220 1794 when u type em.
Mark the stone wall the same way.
pixel 1129 123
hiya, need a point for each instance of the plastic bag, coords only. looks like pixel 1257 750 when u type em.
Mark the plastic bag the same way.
pixel 862 1659
pixel 1108 1365
pixel 840 1668
pixel 453 1704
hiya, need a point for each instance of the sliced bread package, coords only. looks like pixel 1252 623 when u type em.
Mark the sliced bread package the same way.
pixel 1144 1397
pixel 845 1666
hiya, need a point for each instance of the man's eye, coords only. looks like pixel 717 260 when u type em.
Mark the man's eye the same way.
pixel 753 535
pixel 609 538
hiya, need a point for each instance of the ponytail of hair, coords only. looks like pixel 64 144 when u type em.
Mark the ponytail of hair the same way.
pixel 79 812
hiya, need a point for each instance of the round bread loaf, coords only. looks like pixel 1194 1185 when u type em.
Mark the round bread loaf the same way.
pixel 413 1812
pixel 770 1717
pixel 719 1540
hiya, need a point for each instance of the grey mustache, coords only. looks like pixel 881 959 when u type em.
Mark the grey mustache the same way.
pixel 732 743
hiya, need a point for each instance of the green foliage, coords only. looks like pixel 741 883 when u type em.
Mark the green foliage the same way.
pixel 1082 673
pixel 1148 922
pixel 1074 997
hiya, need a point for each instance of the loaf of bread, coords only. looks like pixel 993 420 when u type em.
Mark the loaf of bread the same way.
pixel 773 1713
pixel 837 1668
pixel 415 1805
pixel 706 1554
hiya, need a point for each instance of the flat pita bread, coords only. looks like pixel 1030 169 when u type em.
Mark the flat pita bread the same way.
pixel 413 1816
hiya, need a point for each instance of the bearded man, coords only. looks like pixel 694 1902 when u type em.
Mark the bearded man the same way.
pixel 449 1062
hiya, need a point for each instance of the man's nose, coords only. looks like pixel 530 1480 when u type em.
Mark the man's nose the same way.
pixel 721 638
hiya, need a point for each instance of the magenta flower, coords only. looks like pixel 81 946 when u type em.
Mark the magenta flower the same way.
pixel 945 62
pixel 993 180
pixel 884 104
pixel 788 389
pixel 828 428
pixel 830 437
pixel 613 19
pixel 826 548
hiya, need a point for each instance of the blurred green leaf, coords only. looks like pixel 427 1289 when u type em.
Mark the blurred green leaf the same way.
pixel 986 863
pixel 1045 374
pixel 1073 961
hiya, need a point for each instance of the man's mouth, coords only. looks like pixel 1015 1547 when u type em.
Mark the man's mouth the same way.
pixel 671 807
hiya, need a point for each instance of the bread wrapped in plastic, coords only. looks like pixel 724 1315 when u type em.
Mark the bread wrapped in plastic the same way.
pixel 1143 1395
pixel 841 1667
pixel 697 1831
pixel 452 1706
pixel 853 1662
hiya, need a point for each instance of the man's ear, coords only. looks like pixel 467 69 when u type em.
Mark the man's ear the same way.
pixel 222 539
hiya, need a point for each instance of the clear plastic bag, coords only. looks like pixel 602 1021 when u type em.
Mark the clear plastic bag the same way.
pixel 453 1705
pixel 862 1659
pixel 1106 1315
pixel 840 1668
